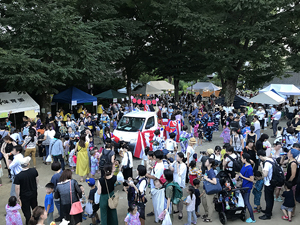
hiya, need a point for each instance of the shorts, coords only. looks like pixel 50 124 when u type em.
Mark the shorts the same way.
pixel 289 209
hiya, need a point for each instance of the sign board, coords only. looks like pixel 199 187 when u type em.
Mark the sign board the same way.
pixel 74 102
pixel 94 103
pixel 115 100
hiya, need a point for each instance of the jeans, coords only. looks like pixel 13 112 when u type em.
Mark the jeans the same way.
pixel 47 150
pixel 61 159
pixel 27 203
pixel 269 198
pixel 189 217
pixel 57 204
pixel 184 113
pixel 246 197
pixel 274 126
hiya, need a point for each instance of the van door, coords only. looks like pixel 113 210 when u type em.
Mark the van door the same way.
pixel 150 125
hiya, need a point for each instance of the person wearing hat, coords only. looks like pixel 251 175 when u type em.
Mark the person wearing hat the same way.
pixel 26 187
pixel 261 116
pixel 190 150
pixel 91 199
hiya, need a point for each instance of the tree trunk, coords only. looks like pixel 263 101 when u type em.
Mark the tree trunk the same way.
pixel 128 83
pixel 170 79
pixel 229 88
pixel 45 105
pixel 176 86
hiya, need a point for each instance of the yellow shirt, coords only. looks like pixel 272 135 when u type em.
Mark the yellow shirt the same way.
pixel 99 109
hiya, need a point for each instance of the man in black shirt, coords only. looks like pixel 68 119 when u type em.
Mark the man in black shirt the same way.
pixel 26 187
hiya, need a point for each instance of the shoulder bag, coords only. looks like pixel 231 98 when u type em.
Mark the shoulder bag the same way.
pixel 210 188
pixel 113 200
pixel 76 207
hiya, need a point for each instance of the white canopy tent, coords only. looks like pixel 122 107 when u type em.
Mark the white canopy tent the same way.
pixel 284 89
pixel 15 103
pixel 124 89
pixel 268 97
pixel 147 90
pixel 207 86
pixel 162 85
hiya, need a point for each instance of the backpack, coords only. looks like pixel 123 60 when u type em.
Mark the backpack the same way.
pixel 237 164
pixel 177 192
pixel 104 159
pixel 277 179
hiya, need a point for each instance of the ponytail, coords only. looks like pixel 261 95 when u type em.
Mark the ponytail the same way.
pixel 36 215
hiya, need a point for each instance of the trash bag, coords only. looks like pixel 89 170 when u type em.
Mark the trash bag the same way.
pixel 167 220
pixel 120 177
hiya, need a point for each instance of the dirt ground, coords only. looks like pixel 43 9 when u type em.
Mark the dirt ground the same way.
pixel 45 174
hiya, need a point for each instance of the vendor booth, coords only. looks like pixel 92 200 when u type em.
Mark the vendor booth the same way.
pixel 268 97
pixel 284 89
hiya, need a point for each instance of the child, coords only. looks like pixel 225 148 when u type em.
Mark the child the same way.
pixel 67 146
pixel 13 216
pixel 42 152
pixel 257 190
pixel 289 202
pixel 91 199
pixel 62 130
pixel 190 203
pixel 94 163
pixel 157 141
pixel 226 133
pixel 184 138
pixel 1 174
pixel 171 145
pixel 72 159
pixel 196 185
pixel 158 198
pixel 200 134
pixel 132 217
pixel 49 204
pixel 83 201
pixel 194 172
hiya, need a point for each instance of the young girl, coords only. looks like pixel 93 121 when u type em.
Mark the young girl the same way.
pixel 132 217
pixel 13 217
pixel 72 159
pixel 190 206
pixel 194 172
pixel 184 138
pixel 225 133
pixel 94 163
pixel 257 190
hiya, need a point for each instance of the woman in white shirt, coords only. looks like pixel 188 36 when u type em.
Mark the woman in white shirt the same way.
pixel 48 136
pixel 190 151
pixel 127 162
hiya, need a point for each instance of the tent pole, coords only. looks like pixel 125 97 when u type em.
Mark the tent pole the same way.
pixel 15 120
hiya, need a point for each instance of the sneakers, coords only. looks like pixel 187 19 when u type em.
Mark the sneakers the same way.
pixel 285 217
pixel 256 211
pixel 279 199
pixel 194 222
pixel 249 220
pixel 227 207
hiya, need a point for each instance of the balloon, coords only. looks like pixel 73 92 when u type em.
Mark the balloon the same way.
pixel 157 99
pixel 148 102
pixel 132 97
pixel 153 102
pixel 134 100
pixel 144 102
pixel 139 101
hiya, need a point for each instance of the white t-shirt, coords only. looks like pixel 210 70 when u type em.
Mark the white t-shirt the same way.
pixel 170 144
pixel 191 206
pixel 157 171
pixel 230 164
pixel 216 157
pixel 16 137
pixel 256 126
pixel 268 167
pixel 142 186
pixel 50 133
pixel 179 176
pixel 191 151
pixel 261 114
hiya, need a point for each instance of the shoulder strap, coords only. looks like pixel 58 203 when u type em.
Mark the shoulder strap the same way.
pixel 71 191
pixel 107 188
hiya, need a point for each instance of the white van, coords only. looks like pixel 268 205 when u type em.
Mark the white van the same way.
pixel 133 122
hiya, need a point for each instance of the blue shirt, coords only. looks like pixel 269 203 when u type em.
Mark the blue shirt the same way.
pixel 49 201
pixel 210 173
pixel 55 178
pixel 247 172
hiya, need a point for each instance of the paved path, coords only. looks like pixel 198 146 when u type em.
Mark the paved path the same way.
pixel 45 174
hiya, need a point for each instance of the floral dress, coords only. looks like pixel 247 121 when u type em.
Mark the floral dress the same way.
pixel 133 219
pixel 94 165
pixel 13 217
pixel 184 140
pixel 226 135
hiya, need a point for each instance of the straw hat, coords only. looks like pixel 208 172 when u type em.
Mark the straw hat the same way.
pixel 209 151
pixel 192 140
pixel 297 116
pixel 298 128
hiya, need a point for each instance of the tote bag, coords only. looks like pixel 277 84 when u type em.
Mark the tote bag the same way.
pixel 112 201
pixel 76 207
pixel 210 188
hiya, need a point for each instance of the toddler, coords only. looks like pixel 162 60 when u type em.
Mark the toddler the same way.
pixel 49 203
pixel 190 203
pixel 225 133
pixel 13 216
pixel 94 163
pixel 289 202
pixel 72 160
pixel 184 138
pixel 132 217
pixel 83 201
pixel 91 199
pixel 257 190
pixel 194 172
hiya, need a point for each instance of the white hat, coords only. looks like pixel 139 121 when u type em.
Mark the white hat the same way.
pixel 25 161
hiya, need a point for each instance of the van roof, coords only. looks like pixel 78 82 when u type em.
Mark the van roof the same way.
pixel 141 114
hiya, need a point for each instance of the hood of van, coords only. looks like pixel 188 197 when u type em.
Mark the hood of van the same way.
pixel 126 136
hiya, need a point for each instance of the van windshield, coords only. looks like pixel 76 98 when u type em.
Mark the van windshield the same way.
pixel 131 124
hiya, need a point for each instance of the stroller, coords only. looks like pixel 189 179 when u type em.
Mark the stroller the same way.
pixel 236 210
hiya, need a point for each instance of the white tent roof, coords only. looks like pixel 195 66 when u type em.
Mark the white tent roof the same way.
pixel 268 97
pixel 124 89
pixel 15 103
pixel 161 85
pixel 284 89
pixel 147 90
pixel 204 86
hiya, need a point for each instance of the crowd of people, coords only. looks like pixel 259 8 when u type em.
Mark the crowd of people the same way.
pixel 67 141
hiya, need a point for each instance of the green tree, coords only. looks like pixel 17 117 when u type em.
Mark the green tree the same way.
pixel 247 41
pixel 47 45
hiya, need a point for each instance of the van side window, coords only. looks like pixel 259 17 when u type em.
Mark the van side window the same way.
pixel 150 122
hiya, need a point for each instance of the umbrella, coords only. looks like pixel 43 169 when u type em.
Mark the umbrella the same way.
pixel 110 94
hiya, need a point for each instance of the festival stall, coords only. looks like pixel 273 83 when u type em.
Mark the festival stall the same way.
pixel 111 94
pixel 204 86
pixel 147 90
pixel 268 97
pixel 162 85
pixel 238 101
pixel 284 89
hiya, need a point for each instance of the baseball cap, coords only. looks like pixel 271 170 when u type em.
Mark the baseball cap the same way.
pixel 90 181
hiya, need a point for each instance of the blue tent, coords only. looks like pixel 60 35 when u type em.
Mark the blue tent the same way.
pixel 281 95
pixel 73 94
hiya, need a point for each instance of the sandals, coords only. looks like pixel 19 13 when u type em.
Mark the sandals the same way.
pixel 207 220
pixel 175 212
pixel 203 217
